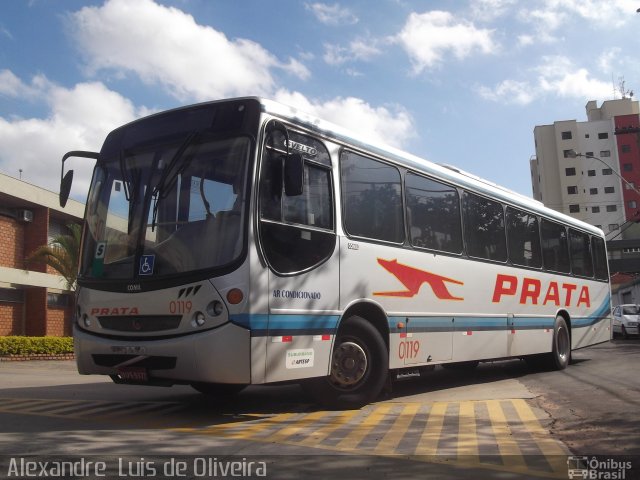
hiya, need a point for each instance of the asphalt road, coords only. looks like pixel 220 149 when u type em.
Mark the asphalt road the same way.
pixel 501 420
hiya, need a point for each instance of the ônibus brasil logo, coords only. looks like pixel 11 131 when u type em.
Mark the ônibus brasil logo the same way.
pixel 413 279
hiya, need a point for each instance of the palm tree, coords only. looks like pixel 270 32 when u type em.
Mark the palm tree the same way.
pixel 62 254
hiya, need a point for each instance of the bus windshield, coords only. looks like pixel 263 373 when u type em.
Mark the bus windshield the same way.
pixel 167 208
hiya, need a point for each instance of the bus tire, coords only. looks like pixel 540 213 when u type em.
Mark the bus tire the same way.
pixel 560 355
pixel 218 389
pixel 359 367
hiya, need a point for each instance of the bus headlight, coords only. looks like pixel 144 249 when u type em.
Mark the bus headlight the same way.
pixel 215 308
pixel 198 319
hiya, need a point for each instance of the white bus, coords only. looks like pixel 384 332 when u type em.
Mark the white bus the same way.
pixel 243 242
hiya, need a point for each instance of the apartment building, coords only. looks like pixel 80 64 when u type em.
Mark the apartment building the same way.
pixel 33 298
pixel 591 171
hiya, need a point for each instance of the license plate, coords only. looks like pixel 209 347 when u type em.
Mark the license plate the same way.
pixel 133 374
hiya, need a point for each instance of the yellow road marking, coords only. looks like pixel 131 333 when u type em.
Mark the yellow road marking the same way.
pixel 392 438
pixel 323 432
pixel 467 438
pixel 282 434
pixel 428 444
pixel 509 450
pixel 351 441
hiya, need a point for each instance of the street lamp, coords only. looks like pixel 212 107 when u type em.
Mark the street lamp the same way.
pixel 572 154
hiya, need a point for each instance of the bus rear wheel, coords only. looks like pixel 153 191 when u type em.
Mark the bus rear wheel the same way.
pixel 359 367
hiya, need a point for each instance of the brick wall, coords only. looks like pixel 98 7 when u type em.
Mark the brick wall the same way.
pixel 59 321
pixel 35 302
pixel 11 318
pixel 11 243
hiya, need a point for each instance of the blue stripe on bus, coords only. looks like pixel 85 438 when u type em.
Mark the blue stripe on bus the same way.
pixel 262 324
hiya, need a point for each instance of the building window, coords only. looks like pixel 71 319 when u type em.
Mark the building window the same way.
pixel 591 173
pixel 605 153
pixel 632 204
pixel 57 300
pixel 603 136
pixel 574 208
pixel 570 172
pixel 627 167
pixel 595 209
pixel 586 135
pixel 607 171
pixel 612 208
pixel 11 295
pixel 567 153
pixel 626 148
pixel 613 227
pixel 593 191
pixel 589 154
pixel 573 190
pixel 609 190
pixel 566 136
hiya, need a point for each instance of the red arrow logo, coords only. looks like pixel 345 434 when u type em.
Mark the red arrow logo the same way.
pixel 413 278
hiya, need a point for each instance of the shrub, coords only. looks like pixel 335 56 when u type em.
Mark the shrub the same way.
pixel 35 345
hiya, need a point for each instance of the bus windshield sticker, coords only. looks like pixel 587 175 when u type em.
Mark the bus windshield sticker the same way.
pixel 97 266
pixel 146 264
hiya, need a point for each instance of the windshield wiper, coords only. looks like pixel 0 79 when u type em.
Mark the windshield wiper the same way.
pixel 168 180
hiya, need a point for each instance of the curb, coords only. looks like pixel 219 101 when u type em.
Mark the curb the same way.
pixel 37 356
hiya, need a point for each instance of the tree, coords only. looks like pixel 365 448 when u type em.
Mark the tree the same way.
pixel 62 254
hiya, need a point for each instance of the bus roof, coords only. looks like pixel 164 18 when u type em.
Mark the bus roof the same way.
pixel 448 173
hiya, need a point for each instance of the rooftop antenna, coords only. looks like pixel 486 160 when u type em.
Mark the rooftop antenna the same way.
pixel 623 91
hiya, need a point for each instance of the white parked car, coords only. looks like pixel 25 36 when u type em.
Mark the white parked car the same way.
pixel 625 320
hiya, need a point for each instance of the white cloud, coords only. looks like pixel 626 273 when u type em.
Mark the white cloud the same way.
pixel 509 91
pixel 79 119
pixel 555 76
pixel 429 37
pixel 168 48
pixel 487 10
pixel 550 16
pixel 391 125
pixel 359 49
pixel 332 15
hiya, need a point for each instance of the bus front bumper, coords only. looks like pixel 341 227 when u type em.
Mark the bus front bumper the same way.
pixel 221 355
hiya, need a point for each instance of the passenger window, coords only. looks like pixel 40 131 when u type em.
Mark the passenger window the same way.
pixel 297 232
pixel 484 228
pixel 433 213
pixel 600 259
pixel 372 198
pixel 523 238
pixel 581 260
pixel 555 247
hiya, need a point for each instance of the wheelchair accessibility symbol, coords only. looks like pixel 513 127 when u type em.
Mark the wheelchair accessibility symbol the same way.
pixel 146 264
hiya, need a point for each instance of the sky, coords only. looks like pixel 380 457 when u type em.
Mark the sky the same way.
pixel 456 82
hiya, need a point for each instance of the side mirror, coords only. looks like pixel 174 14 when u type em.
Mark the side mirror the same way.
pixel 67 179
pixel 293 175
pixel 65 188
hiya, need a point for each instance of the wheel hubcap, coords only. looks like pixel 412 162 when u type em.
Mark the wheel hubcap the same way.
pixel 563 344
pixel 349 364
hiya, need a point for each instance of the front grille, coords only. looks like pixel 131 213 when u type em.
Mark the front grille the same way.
pixel 151 363
pixel 140 323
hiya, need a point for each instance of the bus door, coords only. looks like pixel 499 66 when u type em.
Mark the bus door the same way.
pixel 298 240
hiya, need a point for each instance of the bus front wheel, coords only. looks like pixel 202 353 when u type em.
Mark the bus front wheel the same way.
pixel 359 367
